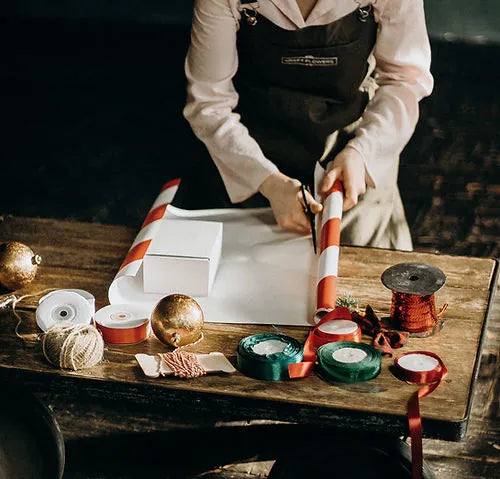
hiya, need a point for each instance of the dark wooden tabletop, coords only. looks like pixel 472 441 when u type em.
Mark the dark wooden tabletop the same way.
pixel 82 255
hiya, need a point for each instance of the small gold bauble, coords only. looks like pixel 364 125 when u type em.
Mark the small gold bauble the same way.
pixel 18 265
pixel 177 320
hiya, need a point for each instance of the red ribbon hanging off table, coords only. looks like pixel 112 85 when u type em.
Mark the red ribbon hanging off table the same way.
pixel 431 379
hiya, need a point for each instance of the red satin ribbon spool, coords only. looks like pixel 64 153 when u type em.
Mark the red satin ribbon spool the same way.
pixel 419 367
pixel 122 324
pixel 319 336
pixel 322 336
pixel 124 336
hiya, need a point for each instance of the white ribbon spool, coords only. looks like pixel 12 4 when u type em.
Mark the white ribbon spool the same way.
pixel 63 307
pixel 85 294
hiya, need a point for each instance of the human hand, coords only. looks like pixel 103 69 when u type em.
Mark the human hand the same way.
pixel 287 203
pixel 348 167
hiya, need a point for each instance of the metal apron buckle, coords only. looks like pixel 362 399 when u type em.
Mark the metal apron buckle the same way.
pixel 251 16
pixel 364 13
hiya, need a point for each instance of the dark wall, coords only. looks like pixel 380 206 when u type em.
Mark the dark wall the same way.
pixel 94 127
pixel 462 20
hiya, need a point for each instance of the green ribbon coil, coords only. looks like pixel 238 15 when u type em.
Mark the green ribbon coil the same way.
pixel 271 367
pixel 359 361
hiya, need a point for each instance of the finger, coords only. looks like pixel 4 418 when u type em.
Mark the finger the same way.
pixel 313 204
pixel 329 179
pixel 351 193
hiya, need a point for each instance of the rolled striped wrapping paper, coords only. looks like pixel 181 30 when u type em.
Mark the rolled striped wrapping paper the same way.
pixel 326 293
pixel 135 256
pixel 326 290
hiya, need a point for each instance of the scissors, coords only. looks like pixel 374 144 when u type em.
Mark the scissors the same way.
pixel 310 214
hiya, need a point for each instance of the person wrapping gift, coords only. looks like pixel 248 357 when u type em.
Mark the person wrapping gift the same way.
pixel 276 88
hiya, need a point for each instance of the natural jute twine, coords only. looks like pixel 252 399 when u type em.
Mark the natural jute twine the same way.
pixel 73 347
pixel 11 300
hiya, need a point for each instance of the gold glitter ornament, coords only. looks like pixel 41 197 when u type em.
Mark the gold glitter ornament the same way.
pixel 18 265
pixel 177 320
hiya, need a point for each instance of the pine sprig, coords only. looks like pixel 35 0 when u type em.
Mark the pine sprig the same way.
pixel 348 301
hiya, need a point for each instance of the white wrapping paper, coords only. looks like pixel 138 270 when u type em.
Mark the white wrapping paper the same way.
pixel 266 275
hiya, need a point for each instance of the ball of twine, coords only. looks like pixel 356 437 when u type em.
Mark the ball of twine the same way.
pixel 73 347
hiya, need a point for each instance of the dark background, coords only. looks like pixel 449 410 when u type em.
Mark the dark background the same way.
pixel 91 95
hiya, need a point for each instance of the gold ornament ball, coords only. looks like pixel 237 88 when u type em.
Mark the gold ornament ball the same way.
pixel 18 265
pixel 177 320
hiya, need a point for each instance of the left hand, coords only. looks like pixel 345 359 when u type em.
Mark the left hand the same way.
pixel 348 167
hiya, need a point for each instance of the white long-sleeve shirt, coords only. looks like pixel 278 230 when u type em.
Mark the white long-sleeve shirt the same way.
pixel 402 56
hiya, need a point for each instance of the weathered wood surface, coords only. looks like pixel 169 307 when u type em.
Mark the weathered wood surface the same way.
pixel 82 255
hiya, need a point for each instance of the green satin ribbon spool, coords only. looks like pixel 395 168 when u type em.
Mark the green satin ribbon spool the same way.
pixel 257 357
pixel 349 362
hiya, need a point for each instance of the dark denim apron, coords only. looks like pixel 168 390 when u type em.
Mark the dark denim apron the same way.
pixel 296 87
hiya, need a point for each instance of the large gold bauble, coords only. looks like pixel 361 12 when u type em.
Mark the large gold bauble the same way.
pixel 18 265
pixel 177 320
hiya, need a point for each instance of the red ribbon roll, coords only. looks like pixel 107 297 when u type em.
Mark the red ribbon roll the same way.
pixel 319 336
pixel 414 313
pixel 124 336
pixel 122 323
pixel 419 367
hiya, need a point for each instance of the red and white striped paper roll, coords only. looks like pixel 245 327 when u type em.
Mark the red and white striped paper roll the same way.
pixel 329 249
pixel 137 251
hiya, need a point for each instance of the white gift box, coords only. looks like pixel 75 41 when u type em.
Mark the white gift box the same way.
pixel 183 257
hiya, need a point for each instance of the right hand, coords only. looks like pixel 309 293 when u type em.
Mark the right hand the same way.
pixel 286 201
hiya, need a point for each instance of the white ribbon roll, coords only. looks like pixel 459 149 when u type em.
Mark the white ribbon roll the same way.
pixel 63 307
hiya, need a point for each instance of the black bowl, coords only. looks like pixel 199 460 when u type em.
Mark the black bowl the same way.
pixel 31 443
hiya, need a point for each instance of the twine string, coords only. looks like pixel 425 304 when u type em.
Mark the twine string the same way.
pixel 74 347
pixel 12 300
pixel 182 364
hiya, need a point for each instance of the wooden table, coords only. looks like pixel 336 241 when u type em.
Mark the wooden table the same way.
pixel 81 255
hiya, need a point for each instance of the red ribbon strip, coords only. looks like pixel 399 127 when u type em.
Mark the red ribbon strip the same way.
pixel 431 379
pixel 384 339
pixel 317 338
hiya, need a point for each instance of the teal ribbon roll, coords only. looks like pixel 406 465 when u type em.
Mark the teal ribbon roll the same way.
pixel 267 356
pixel 349 362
